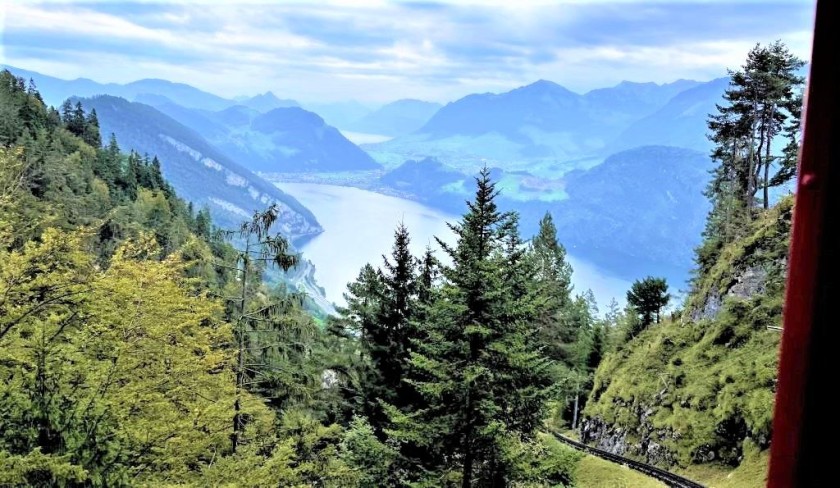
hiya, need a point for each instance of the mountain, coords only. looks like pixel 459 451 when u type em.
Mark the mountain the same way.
pixel 197 170
pixel 542 122
pixel 56 90
pixel 396 118
pixel 287 139
pixel 681 122
pixel 267 101
pixel 301 141
pixel 628 101
pixel 641 209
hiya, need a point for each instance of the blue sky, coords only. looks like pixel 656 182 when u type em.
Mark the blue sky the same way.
pixel 379 51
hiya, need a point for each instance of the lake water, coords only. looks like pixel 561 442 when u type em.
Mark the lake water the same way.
pixel 359 228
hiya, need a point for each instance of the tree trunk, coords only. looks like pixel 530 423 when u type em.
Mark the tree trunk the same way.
pixel 240 354
pixel 575 415
pixel 766 183
pixel 767 159
pixel 466 477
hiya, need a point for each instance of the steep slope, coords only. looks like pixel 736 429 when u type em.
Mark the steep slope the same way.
pixel 288 139
pixel 699 388
pixel 628 101
pixel 681 122
pixel 292 140
pixel 196 169
pixel 396 118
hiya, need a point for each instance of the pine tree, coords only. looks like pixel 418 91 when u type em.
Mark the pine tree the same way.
pixel 647 297
pixel 762 103
pixel 484 383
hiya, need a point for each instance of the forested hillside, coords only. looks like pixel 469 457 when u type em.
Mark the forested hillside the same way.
pixel 136 347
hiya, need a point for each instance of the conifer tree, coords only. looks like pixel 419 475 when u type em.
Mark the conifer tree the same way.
pixel 259 248
pixel 647 297
pixel 484 383
pixel 763 102
pixel 90 134
pixel 557 330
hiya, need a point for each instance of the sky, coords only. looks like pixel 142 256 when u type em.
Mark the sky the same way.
pixel 376 51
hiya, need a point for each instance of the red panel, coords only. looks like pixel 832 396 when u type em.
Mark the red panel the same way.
pixel 798 422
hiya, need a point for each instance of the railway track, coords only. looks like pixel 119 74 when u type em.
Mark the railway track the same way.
pixel 670 479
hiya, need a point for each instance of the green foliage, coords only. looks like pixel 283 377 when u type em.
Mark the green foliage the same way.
pixel 116 358
pixel 647 297
pixel 762 103
pixel 594 472
pixel 366 455
pixel 708 381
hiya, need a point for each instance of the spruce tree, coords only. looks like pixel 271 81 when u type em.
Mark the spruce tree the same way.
pixel 557 329
pixel 483 381
pixel 90 134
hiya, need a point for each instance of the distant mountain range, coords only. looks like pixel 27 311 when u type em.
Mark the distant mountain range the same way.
pixel 547 123
pixel 56 90
pixel 281 140
pixel 261 133
pixel 681 122
pixel 267 101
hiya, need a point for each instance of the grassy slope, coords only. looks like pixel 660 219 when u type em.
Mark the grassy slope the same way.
pixel 751 473
pixel 593 472
pixel 706 385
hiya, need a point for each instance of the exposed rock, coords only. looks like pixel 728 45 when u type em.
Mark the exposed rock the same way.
pixel 710 308
pixel 615 439
pixel 748 283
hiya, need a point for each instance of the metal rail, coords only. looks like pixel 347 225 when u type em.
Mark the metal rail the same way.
pixel 670 479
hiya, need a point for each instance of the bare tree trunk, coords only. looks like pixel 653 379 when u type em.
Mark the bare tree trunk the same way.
pixel 766 184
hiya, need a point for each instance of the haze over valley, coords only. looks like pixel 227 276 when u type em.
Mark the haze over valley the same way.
pixel 580 157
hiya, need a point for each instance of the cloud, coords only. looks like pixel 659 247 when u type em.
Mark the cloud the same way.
pixel 380 51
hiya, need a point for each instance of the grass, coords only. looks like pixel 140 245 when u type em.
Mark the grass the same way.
pixel 593 472
pixel 752 473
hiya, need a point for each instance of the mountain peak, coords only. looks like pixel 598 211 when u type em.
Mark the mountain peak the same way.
pixel 545 86
pixel 268 101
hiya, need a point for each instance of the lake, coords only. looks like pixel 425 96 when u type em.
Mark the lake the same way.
pixel 359 228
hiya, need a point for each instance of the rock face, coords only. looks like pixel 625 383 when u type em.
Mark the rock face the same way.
pixel 644 442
